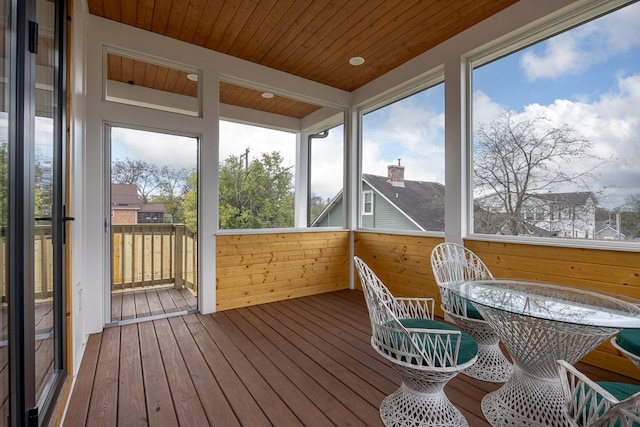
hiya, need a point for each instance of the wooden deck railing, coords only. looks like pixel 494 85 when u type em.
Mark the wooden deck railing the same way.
pixel 153 254
pixel 143 255
pixel 43 261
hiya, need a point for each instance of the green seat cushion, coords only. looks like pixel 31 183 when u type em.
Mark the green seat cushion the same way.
pixel 472 311
pixel 620 391
pixel 629 339
pixel 468 346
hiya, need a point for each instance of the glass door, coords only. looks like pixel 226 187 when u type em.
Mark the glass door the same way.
pixel 32 218
pixel 4 208
pixel 153 221
pixel 47 207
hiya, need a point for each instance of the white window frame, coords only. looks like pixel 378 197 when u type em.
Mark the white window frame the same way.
pixel 365 193
pixel 504 47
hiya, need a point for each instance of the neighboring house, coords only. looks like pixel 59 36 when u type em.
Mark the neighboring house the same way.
pixel 151 213
pixel 124 204
pixel 552 214
pixel 610 233
pixel 610 229
pixel 331 216
pixel 127 209
pixel 393 203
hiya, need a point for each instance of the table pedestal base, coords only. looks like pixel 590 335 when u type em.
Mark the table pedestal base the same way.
pixel 406 407
pixel 525 401
pixel 421 401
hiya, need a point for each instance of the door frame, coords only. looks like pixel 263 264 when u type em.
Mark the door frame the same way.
pixel 107 125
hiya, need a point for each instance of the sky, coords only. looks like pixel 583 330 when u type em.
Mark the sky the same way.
pixel 587 78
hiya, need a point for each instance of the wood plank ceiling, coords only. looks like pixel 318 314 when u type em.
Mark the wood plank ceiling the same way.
pixel 313 39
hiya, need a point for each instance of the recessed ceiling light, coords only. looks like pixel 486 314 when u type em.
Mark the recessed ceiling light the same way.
pixel 267 95
pixel 356 60
pixel 193 77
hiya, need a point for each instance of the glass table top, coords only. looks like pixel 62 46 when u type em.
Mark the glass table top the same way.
pixel 550 301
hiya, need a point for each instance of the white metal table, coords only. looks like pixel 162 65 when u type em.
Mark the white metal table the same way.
pixel 540 323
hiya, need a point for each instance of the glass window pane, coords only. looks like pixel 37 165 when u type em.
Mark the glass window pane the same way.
pixel 555 135
pixel 257 170
pixel 327 178
pixel 44 198
pixel 403 163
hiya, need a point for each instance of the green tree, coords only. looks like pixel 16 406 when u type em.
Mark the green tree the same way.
pixel 630 216
pixel 256 194
pixel 318 205
pixel 190 203
pixel 155 184
pixel 139 172
pixel 173 184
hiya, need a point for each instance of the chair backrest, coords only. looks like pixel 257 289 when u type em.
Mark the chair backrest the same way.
pixel 389 337
pixel 376 294
pixel 588 403
pixel 452 262
pixel 627 342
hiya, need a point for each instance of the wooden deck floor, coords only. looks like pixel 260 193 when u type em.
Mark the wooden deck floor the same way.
pixel 138 304
pixel 306 361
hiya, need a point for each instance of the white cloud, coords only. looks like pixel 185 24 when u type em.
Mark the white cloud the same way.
pixel 411 130
pixel 235 138
pixel 578 49
pixel 327 175
pixel 611 123
pixel 157 148
pixel 560 56
pixel 484 108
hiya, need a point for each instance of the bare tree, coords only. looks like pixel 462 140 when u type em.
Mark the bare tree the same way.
pixel 630 216
pixel 139 172
pixel 515 160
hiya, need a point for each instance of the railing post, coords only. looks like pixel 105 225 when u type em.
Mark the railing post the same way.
pixel 179 257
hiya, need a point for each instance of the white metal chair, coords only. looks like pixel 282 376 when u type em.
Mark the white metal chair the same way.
pixel 452 262
pixel 628 342
pixel 603 404
pixel 425 352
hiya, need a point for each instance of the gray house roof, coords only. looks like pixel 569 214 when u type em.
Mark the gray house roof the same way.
pixel 421 201
pixel 570 199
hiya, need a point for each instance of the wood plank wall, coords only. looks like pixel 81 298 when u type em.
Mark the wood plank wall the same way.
pixel 403 263
pixel 261 268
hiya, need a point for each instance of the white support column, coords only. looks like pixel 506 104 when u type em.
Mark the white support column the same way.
pixel 350 195
pixel 209 164
pixel 456 153
pixel 302 179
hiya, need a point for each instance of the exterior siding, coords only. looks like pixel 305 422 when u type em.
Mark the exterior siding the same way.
pixel 333 217
pixel 385 215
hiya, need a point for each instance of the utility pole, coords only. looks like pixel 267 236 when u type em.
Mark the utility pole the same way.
pixel 246 158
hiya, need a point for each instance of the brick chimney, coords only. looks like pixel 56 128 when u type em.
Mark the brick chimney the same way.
pixel 395 175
